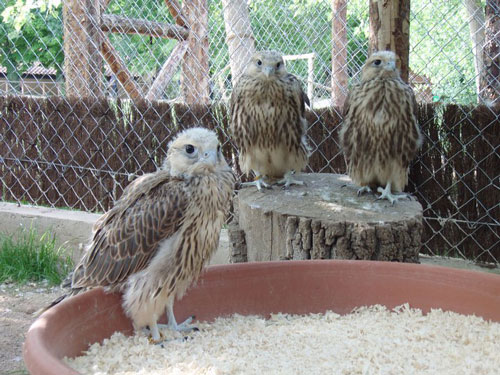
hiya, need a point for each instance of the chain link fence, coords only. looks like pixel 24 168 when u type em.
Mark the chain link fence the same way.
pixel 89 103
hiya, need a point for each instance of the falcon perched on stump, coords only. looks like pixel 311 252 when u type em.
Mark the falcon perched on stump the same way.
pixel 268 120
pixel 156 239
pixel 380 134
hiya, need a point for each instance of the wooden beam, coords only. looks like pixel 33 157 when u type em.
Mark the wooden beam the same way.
pixel 167 71
pixel 175 10
pixel 118 24
pixel 303 56
pixel 120 70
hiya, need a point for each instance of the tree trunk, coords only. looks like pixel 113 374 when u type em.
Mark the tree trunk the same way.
pixel 339 52
pixel 239 35
pixel 324 220
pixel 195 70
pixel 476 28
pixel 490 80
pixel 390 30
pixel 82 60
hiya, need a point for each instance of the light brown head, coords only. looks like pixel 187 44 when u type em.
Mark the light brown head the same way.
pixel 266 65
pixel 194 151
pixel 381 64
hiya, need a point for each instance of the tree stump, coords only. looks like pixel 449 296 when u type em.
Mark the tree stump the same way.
pixel 327 220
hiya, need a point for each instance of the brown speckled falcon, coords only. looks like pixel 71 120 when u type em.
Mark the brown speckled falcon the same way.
pixel 156 239
pixel 380 134
pixel 268 120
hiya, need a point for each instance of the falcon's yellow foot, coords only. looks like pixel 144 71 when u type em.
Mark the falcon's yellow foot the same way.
pixel 386 194
pixel 156 342
pixel 258 182
pixel 288 180
pixel 364 189
pixel 156 336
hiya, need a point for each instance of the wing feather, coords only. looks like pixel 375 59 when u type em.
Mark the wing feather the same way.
pixel 300 96
pixel 345 135
pixel 413 134
pixel 127 237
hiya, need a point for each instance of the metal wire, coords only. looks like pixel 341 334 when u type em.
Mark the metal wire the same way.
pixel 443 71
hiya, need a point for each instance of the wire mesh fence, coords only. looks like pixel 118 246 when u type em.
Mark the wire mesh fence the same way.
pixel 93 91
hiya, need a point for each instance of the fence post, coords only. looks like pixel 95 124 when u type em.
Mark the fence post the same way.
pixel 82 59
pixel 390 30
pixel 195 70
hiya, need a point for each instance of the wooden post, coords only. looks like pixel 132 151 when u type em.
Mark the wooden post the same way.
pixel 390 30
pixel 239 36
pixel 490 80
pixel 339 53
pixel 82 60
pixel 195 69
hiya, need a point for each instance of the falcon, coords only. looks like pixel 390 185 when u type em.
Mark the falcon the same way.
pixel 380 135
pixel 268 121
pixel 158 236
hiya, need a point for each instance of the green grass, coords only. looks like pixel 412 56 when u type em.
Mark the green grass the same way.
pixel 30 257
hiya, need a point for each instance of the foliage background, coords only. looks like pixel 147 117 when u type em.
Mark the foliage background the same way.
pixel 440 46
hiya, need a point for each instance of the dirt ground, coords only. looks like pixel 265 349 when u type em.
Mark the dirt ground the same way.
pixel 17 304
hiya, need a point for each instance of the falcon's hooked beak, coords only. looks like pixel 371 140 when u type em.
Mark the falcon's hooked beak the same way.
pixel 208 161
pixel 391 65
pixel 209 157
pixel 267 70
pixel 206 164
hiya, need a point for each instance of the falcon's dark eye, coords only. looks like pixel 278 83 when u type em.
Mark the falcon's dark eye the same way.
pixel 278 65
pixel 377 62
pixel 189 149
pixel 259 62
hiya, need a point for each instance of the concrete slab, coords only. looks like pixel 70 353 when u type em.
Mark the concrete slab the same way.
pixel 72 228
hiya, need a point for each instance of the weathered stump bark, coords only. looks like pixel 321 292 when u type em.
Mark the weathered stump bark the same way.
pixel 327 220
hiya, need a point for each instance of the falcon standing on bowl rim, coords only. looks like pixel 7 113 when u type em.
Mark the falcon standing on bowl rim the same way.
pixel 268 121
pixel 380 135
pixel 153 244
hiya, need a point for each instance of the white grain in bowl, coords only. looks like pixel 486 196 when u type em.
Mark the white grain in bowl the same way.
pixel 370 340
